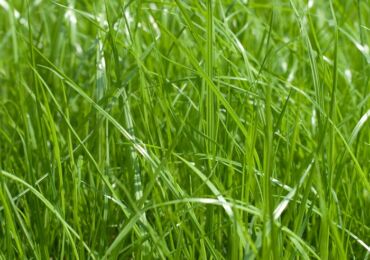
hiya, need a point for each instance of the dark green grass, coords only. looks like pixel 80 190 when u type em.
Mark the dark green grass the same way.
pixel 184 129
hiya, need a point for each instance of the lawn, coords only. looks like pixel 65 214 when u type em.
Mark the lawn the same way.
pixel 184 129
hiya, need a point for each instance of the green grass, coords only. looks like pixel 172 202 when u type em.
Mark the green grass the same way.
pixel 184 129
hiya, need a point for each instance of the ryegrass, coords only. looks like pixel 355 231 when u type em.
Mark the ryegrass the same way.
pixel 184 129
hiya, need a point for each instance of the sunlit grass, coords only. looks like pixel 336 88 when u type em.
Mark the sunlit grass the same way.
pixel 184 129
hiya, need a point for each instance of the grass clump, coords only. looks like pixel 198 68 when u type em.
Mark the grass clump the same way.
pixel 184 129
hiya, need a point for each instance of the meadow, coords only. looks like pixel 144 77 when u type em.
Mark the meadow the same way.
pixel 184 129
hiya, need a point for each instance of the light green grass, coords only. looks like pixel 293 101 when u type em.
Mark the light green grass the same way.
pixel 184 129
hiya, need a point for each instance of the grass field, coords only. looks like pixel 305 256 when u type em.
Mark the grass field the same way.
pixel 184 129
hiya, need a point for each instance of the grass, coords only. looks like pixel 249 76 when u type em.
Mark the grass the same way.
pixel 184 129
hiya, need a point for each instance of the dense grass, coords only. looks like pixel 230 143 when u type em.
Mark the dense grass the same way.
pixel 222 129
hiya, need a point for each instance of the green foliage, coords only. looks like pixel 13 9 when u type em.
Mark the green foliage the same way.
pixel 184 129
